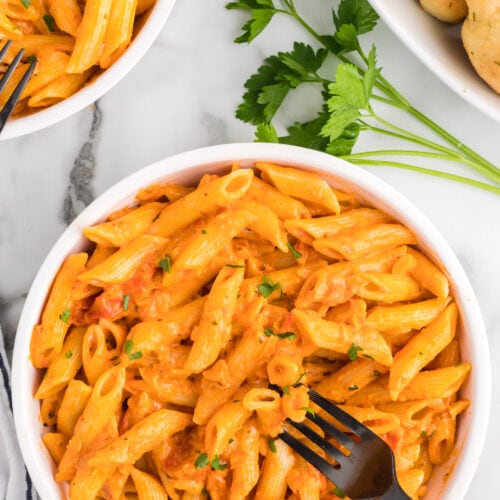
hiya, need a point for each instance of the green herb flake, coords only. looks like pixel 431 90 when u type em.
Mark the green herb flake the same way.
pixel 129 344
pixel 26 3
pixel 376 373
pixel 309 410
pixel 286 390
pixel 353 388
pixel 271 445
pixel 135 355
pixel 31 59
pixel 230 440
pixel 268 332
pixel 126 300
pixel 267 287
pixel 201 461
pixel 235 266
pixel 65 315
pixel 217 465
pixel 287 335
pixel 294 252
pixel 68 354
pixel 367 356
pixel 337 491
pixel 352 352
pixel 165 263
pixel 203 231
pixel 204 492
pixel 50 22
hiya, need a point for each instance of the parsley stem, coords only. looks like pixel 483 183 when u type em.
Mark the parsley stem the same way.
pixel 428 171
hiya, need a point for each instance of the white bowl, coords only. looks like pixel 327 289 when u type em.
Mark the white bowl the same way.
pixel 187 168
pixel 22 125
pixel 439 47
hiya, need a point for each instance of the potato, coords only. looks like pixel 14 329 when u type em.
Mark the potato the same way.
pixel 481 39
pixel 450 11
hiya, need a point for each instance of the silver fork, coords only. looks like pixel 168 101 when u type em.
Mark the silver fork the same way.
pixel 367 471
pixel 7 109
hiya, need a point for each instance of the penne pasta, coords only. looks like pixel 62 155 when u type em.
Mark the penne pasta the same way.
pixel 179 348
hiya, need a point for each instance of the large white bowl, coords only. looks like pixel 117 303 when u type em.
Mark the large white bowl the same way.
pixel 187 168
pixel 22 125
pixel 439 47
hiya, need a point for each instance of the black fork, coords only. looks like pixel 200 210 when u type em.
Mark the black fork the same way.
pixel 6 111
pixel 367 470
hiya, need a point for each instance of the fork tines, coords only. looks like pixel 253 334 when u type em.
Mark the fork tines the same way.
pixel 6 111
pixel 362 465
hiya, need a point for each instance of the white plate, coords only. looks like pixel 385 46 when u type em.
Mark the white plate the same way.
pixel 84 97
pixel 439 47
pixel 188 168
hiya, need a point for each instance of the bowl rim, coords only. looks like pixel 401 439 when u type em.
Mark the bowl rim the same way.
pixel 214 157
pixel 461 78
pixel 103 83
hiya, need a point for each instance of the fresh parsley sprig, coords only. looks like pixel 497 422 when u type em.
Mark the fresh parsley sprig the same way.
pixel 350 100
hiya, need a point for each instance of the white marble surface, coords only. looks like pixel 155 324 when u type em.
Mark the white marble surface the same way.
pixel 182 95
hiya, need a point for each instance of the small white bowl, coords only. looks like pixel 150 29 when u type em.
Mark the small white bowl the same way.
pixel 22 125
pixel 188 168
pixel 438 45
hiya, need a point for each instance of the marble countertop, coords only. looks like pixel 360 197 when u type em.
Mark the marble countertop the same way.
pixel 182 95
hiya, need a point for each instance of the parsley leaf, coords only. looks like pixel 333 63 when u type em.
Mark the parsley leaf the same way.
pixel 261 13
pixel 272 445
pixel 201 461
pixel 126 300
pixel 267 89
pixel 287 335
pixel 26 3
pixel 337 491
pixel 135 355
pixel 267 287
pixel 50 22
pixel 165 263
pixel 129 344
pixel 286 390
pixel 294 252
pixel 68 354
pixel 216 464
pixel 65 315
pixel 357 13
pixel 309 410
pixel 352 352
pixel 353 388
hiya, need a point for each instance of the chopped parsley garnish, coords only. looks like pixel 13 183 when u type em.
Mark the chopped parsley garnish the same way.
pixel 286 389
pixel 26 3
pixel 135 355
pixel 267 287
pixel 268 332
pixel 128 351
pixel 68 354
pixel 204 492
pixel 367 356
pixel 203 231
pixel 128 346
pixel 64 316
pixel 50 22
pixel 201 461
pixel 126 300
pixel 271 444
pixel 295 253
pixel 353 387
pixel 287 335
pixel 216 465
pixel 376 373
pixel 31 59
pixel 337 491
pixel 309 410
pixel 352 352
pixel 235 266
pixel 165 263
